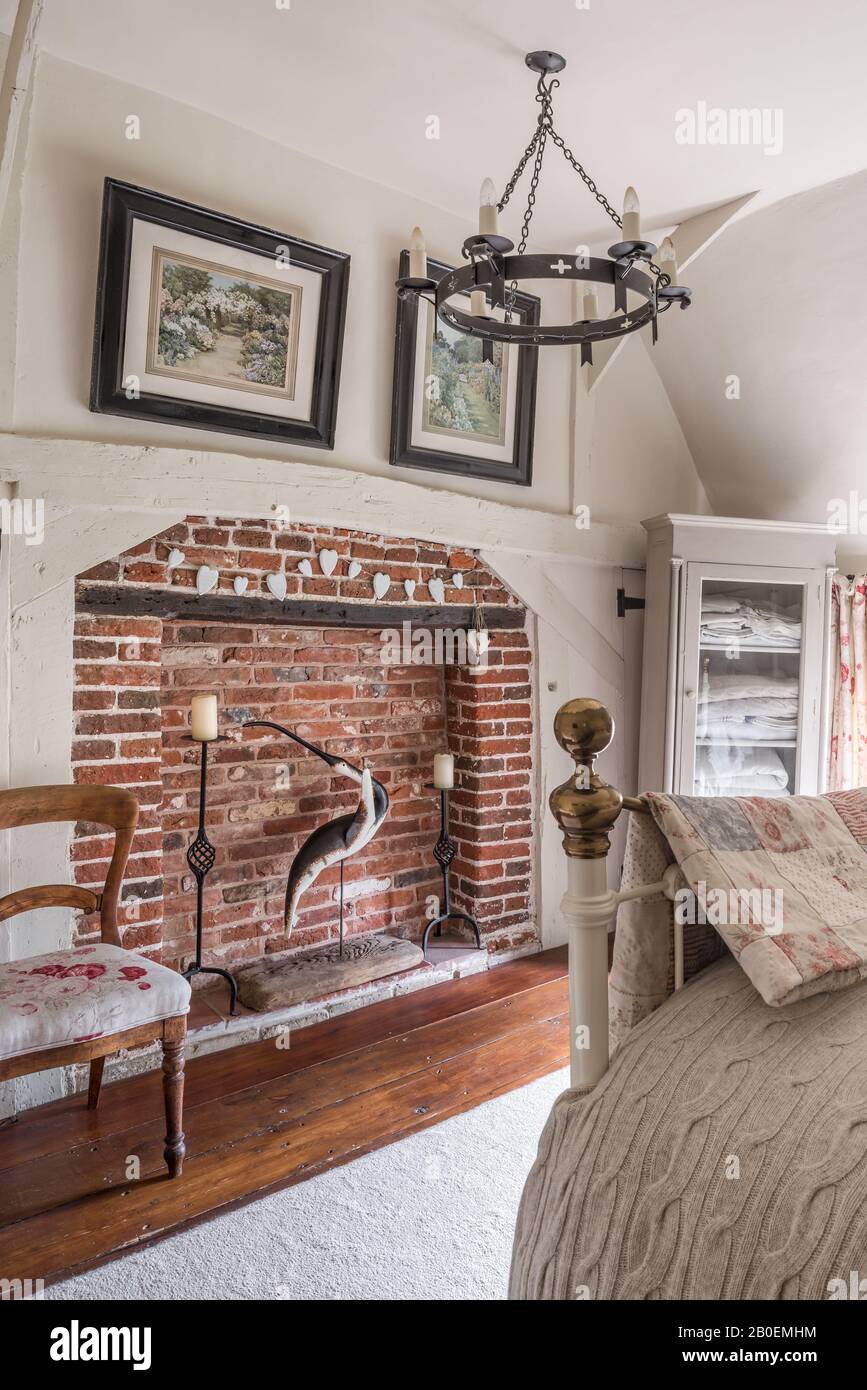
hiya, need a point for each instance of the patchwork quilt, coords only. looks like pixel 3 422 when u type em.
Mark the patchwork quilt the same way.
pixel 783 881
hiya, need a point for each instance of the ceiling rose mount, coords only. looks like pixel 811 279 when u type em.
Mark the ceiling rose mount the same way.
pixel 542 60
pixel 492 272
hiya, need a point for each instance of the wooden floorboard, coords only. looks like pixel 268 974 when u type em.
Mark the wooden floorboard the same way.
pixel 260 1117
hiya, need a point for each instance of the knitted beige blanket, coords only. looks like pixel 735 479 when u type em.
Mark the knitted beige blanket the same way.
pixel 722 1156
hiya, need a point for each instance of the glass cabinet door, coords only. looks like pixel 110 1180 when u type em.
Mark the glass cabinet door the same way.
pixel 747 692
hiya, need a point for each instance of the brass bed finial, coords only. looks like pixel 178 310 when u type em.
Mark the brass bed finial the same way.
pixel 585 806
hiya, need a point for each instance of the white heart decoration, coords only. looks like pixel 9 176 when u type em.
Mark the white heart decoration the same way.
pixel 176 557
pixel 239 584
pixel 381 584
pixel 304 567
pixel 277 584
pixel 206 579
pixel 458 579
pixel 409 586
pixel 328 561
pixel 437 590
pixel 354 568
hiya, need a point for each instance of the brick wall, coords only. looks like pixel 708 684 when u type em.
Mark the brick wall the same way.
pixel 134 681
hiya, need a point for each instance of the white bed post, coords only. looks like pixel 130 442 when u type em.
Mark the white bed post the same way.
pixel 586 809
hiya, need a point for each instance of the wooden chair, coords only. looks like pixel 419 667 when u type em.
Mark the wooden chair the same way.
pixel 82 1004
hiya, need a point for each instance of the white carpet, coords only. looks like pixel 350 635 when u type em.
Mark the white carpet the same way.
pixel 429 1218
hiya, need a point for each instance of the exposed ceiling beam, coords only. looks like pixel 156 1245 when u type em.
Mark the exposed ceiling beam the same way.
pixel 101 498
pixel 690 238
pixel 15 87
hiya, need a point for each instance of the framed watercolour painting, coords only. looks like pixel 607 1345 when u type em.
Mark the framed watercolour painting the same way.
pixel 207 321
pixel 461 406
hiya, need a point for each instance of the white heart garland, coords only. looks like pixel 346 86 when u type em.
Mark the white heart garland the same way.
pixel 206 579
pixel 277 584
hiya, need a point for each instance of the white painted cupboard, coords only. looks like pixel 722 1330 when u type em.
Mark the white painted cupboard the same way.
pixel 735 666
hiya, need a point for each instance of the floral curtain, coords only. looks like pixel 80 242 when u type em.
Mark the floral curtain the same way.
pixel 847 765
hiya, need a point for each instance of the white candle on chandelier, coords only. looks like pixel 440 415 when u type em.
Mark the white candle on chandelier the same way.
pixel 444 771
pixel 488 209
pixel 590 307
pixel 417 255
pixel 668 259
pixel 203 718
pixel 631 229
pixel 478 304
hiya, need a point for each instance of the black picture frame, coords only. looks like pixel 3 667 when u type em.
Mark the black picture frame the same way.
pixel 122 204
pixel 406 455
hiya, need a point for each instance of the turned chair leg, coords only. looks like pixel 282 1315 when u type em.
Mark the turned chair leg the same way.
pixel 173 1091
pixel 97 1067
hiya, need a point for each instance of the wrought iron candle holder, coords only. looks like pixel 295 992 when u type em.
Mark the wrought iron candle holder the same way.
pixel 444 852
pixel 201 856
pixel 496 265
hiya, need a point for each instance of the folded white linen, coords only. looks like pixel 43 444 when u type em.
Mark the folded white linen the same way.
pixel 772 707
pixel 745 730
pixel 740 685
pixel 724 616
pixel 757 768
pixel 739 789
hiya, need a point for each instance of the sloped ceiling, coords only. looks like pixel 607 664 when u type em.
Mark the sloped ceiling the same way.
pixel 352 82
pixel 780 305
pixel 780 298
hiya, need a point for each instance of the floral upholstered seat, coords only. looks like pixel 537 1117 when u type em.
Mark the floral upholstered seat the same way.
pixel 72 996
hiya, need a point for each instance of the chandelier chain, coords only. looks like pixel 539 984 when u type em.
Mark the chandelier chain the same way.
pixel 583 174
pixel 494 251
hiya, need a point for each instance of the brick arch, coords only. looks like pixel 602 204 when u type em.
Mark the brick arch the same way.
pixel 136 672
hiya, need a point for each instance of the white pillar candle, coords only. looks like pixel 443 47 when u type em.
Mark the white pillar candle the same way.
pixel 631 229
pixel 668 259
pixel 488 209
pixel 590 307
pixel 478 304
pixel 444 771
pixel 417 255
pixel 204 718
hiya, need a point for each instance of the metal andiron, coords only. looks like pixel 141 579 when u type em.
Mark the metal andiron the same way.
pixel 200 857
pixel 444 851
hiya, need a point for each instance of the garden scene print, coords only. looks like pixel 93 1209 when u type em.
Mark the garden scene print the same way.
pixel 464 393
pixel 211 324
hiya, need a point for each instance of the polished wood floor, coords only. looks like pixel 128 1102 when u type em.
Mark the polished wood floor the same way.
pixel 259 1117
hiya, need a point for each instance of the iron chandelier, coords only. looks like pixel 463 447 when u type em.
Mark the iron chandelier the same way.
pixel 491 263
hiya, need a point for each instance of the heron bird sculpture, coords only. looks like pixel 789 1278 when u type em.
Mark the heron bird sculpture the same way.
pixel 336 840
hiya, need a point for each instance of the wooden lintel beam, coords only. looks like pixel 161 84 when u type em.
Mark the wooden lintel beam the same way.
pixel 191 607
pixel 20 57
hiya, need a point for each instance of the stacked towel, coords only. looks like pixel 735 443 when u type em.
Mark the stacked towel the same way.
pixel 739 712
pixel 734 617
pixel 740 772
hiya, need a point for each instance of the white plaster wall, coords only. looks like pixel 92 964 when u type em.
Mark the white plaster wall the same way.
pixel 788 436
pixel 40 697
pixel 620 449
pixel 632 460
pixel 76 139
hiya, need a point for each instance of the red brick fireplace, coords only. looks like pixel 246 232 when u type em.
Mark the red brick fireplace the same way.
pixel 146 642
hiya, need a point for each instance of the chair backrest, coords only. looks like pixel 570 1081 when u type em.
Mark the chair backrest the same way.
pixel 112 806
